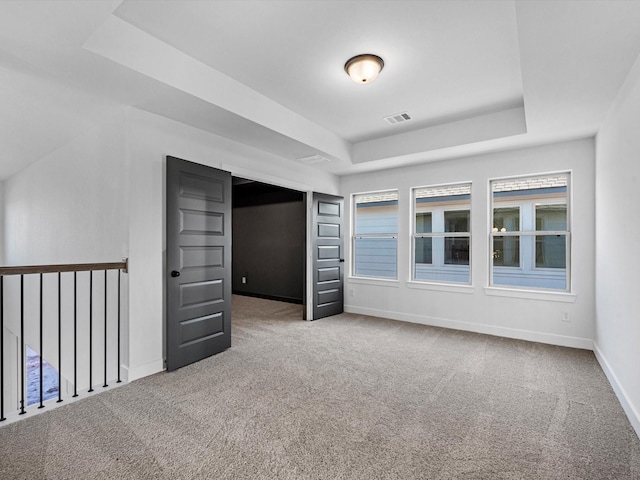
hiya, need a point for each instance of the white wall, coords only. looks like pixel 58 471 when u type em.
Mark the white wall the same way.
pixel 70 206
pixel 617 336
pixel 477 308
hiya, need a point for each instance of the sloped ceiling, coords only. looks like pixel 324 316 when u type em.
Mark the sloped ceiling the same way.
pixel 474 76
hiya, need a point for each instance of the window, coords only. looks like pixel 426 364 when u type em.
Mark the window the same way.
pixel 530 232
pixel 441 238
pixel 375 238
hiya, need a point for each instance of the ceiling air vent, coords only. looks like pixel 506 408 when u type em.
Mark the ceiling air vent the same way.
pixel 398 118
pixel 313 159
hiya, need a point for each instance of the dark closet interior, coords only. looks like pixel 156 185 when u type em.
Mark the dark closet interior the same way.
pixel 269 241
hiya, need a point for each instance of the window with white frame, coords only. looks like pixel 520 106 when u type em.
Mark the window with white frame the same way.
pixel 375 234
pixel 441 233
pixel 530 238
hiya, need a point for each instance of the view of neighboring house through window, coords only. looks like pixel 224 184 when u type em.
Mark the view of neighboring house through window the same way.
pixel 441 237
pixel 375 234
pixel 530 232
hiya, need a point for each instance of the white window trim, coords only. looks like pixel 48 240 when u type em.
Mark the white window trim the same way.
pixel 439 285
pixel 388 282
pixel 371 280
pixel 526 292
pixel 538 294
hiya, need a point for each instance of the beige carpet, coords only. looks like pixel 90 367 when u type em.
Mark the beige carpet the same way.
pixel 347 397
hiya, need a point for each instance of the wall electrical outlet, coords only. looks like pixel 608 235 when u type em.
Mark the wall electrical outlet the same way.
pixel 565 316
pixel 244 280
pixel 352 293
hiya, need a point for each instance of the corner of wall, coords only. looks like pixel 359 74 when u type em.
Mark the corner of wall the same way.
pixel 616 195
pixel 630 83
pixel 626 402
pixel 136 373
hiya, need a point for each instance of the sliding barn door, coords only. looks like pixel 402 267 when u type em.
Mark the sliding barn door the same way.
pixel 198 262
pixel 328 249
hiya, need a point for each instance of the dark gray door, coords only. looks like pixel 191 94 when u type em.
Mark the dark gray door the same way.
pixel 198 262
pixel 328 263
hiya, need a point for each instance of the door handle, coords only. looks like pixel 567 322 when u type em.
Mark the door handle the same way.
pixel 175 273
pixel 342 260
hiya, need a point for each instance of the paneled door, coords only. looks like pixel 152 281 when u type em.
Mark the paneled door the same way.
pixel 198 273
pixel 328 261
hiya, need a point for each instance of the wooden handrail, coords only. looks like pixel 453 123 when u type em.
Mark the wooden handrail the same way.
pixel 70 267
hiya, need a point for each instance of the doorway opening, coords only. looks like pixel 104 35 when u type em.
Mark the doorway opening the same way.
pixel 212 218
pixel 269 244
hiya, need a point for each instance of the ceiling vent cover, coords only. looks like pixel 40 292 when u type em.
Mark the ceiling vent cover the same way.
pixel 398 118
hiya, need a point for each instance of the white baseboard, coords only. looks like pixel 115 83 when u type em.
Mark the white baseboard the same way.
pixel 131 374
pixel 625 401
pixel 561 340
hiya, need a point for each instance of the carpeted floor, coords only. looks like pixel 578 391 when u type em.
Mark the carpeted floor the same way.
pixel 347 397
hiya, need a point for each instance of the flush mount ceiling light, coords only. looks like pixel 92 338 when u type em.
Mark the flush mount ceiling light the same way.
pixel 364 68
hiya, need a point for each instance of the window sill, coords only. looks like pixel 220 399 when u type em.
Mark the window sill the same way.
pixel 390 282
pixel 564 297
pixel 441 287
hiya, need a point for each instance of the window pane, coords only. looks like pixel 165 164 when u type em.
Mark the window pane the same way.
pixel 443 274
pixel 506 219
pixel 551 217
pixel 376 213
pixel 376 257
pixel 543 184
pixel 376 220
pixel 551 251
pixel 423 222
pixel 456 251
pixel 424 250
pixel 506 251
pixel 456 221
pixel 443 193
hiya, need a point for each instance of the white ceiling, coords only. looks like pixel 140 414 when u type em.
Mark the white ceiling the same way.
pixel 474 76
pixel 456 56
